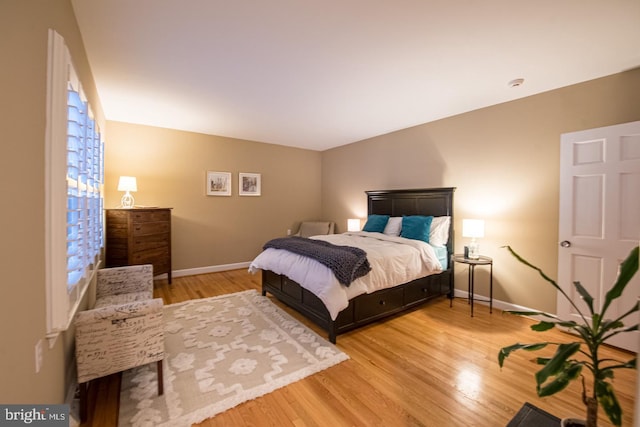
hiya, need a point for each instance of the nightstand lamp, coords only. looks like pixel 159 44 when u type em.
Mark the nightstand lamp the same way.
pixel 353 224
pixel 473 228
pixel 127 184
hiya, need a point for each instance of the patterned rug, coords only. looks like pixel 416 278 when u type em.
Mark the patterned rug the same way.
pixel 220 352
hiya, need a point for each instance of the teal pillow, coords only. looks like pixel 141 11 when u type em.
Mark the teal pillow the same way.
pixel 416 227
pixel 376 223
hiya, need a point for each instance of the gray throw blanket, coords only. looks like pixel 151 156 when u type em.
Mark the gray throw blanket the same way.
pixel 346 262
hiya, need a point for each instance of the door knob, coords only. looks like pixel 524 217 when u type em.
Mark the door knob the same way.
pixel 565 243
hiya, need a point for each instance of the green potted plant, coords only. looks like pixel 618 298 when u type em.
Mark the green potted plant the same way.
pixel 592 331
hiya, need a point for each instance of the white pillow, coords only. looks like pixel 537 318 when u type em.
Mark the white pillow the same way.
pixel 439 234
pixel 393 227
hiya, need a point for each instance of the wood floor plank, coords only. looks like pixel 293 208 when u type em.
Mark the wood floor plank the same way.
pixel 434 366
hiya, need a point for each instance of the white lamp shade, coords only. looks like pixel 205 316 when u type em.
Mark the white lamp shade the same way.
pixel 472 228
pixel 353 224
pixel 127 183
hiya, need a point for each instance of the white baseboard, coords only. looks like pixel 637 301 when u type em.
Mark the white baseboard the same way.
pixel 205 270
pixel 501 305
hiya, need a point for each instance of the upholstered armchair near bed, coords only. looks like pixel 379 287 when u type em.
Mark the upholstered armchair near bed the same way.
pixel 315 228
pixel 122 331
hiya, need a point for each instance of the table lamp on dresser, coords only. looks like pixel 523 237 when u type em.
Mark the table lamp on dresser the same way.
pixel 127 184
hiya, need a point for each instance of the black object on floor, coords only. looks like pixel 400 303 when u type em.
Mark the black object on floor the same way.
pixel 532 416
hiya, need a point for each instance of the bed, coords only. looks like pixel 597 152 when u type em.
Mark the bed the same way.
pixel 372 306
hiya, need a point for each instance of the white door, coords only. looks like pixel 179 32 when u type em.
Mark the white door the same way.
pixel 599 218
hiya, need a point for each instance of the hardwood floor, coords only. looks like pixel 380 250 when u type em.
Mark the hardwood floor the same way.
pixel 434 366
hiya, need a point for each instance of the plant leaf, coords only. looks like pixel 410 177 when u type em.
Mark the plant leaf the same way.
pixel 611 324
pixel 506 351
pixel 584 294
pixel 631 364
pixel 542 360
pixel 567 324
pixel 543 326
pixel 570 372
pixel 557 362
pixel 628 268
pixel 609 402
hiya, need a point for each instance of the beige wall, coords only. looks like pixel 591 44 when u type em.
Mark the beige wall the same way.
pixel 504 161
pixel 22 129
pixel 210 231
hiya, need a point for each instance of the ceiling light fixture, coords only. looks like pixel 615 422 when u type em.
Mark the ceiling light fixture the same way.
pixel 516 82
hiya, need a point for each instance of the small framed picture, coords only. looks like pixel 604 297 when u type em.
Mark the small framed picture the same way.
pixel 218 183
pixel 249 184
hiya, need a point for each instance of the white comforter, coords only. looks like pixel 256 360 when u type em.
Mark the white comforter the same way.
pixel 394 260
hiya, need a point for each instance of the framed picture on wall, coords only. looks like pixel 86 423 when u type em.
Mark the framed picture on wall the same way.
pixel 249 184
pixel 218 183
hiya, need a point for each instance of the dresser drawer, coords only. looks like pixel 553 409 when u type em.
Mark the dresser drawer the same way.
pixel 150 216
pixel 150 241
pixel 146 246
pixel 150 228
pixel 150 256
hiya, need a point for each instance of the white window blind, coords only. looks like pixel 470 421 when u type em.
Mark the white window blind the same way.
pixel 75 176
pixel 84 180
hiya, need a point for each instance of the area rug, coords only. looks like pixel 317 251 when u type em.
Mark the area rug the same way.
pixel 220 352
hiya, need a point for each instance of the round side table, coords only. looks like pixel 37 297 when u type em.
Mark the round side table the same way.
pixel 472 263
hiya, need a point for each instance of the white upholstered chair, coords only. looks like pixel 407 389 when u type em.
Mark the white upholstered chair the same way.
pixel 122 331
pixel 315 228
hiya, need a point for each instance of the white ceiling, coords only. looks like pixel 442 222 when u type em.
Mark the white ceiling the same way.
pixel 320 74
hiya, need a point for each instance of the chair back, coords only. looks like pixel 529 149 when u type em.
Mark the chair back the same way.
pixel 124 280
pixel 315 228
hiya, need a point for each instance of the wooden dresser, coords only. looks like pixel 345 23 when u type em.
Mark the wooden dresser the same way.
pixel 139 236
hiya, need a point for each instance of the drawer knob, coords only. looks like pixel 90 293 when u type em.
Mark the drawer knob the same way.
pixel 383 302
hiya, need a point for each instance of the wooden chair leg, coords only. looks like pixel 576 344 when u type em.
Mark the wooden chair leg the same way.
pixel 160 379
pixel 84 398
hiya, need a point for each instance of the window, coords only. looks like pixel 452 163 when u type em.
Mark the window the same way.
pixel 74 174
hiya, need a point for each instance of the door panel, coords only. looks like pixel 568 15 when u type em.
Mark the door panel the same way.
pixel 600 217
pixel 588 199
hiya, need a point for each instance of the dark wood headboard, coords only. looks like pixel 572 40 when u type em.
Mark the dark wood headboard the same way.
pixel 424 201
